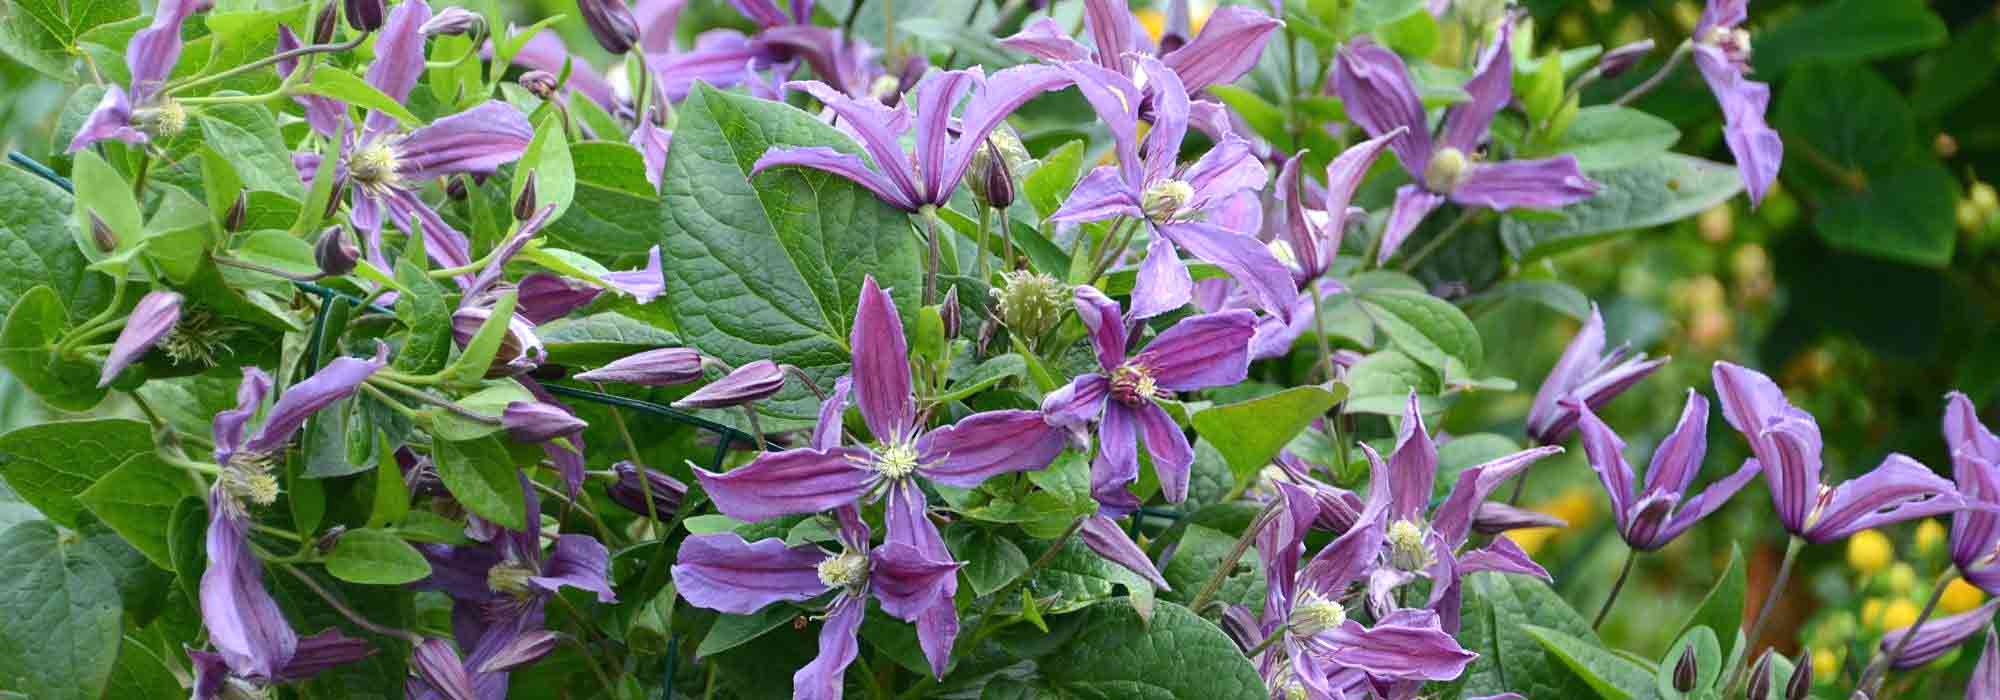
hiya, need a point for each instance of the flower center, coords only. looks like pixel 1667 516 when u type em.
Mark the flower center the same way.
pixel 1733 41
pixel 196 339
pixel 509 578
pixel 1315 614
pixel 1164 200
pixel 1446 169
pixel 375 165
pixel 247 477
pixel 1284 253
pixel 1132 383
pixel 896 461
pixel 244 689
pixel 846 570
pixel 1407 550
pixel 165 120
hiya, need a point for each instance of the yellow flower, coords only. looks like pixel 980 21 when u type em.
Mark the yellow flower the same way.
pixel 1930 536
pixel 1154 22
pixel 1900 614
pixel 1577 506
pixel 1902 578
pixel 1869 551
pixel 1960 596
pixel 1871 612
pixel 1531 540
pixel 1826 666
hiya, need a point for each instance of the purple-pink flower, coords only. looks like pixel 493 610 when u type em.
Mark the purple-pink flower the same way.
pixel 1587 374
pixel 136 115
pixel 151 319
pixel 1228 46
pixel 1656 513
pixel 1722 53
pixel 1975 460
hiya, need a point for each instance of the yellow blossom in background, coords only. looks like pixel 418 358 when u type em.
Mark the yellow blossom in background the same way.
pixel 1826 666
pixel 1899 614
pixel 1155 22
pixel 1871 612
pixel 1930 537
pixel 1577 506
pixel 1902 579
pixel 1870 551
pixel 1960 596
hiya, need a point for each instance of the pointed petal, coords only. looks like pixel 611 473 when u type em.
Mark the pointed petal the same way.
pixel 878 128
pixel 150 320
pixel 1793 471
pixel 1503 556
pixel 1163 283
pixel 1454 517
pixel 1584 352
pixel 1413 465
pixel 1677 460
pixel 1375 86
pixel 399 53
pixel 993 100
pixel 153 51
pixel 881 367
pixel 1546 183
pixel 846 165
pixel 826 432
pixel 478 140
pixel 1985 681
pixel 1702 505
pixel 1103 536
pixel 793 481
pixel 1169 448
pixel 1230 168
pixel 644 284
pixel 1936 637
pixel 1407 644
pixel 907 519
pixel 1898 490
pixel 323 651
pixel 1116 100
pixel 1354 552
pixel 1492 85
pixel 1076 403
pixel 1413 203
pixel 1101 194
pixel 436 664
pixel 244 623
pixel 906 580
pixel 1606 453
pixel 985 444
pixel 724 573
pixel 1228 46
pixel 1201 351
pixel 1107 329
pixel 581 562
pixel 445 245
pixel 1046 40
pixel 936 96
pixel 1169 100
pixel 838 645
pixel 1245 258
pixel 336 381
pixel 1111 29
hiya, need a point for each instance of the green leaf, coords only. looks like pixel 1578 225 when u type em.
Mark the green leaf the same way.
pixel 483 476
pixel 1557 296
pixel 1077 578
pixel 1961 70
pixel 426 318
pixel 772 269
pixel 1905 216
pixel 37 243
pixel 48 463
pixel 27 342
pixel 1851 118
pixel 1722 608
pixel 1175 656
pixel 1250 433
pixel 1613 677
pixel 375 557
pixel 1199 554
pixel 731 631
pixel 615 209
pixel 328 81
pixel 1848 31
pixel 991 561
pixel 248 136
pixel 135 498
pixel 1709 663
pixel 1428 328
pixel 104 193
pixel 548 159
pixel 1665 189
pixel 597 339
pixel 41 33
pixel 59 615
pixel 479 352
pixel 1608 137
pixel 187 533
pixel 1381 383
pixel 1498 611
pixel 1051 182
pixel 1368 15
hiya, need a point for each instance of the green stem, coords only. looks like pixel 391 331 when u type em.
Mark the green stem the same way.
pixel 1228 562
pixel 1114 243
pixel 985 220
pixel 1631 557
pixel 267 61
pixel 986 626
pixel 756 431
pixel 1764 612
pixel 1450 231
pixel 1658 77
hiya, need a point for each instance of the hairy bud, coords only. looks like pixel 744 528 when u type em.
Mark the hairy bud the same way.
pixel 633 483
pixel 1030 303
pixel 366 15
pixel 454 21
pixel 539 82
pixel 1622 59
pixel 535 421
pixel 334 253
pixel 662 367
pixel 949 312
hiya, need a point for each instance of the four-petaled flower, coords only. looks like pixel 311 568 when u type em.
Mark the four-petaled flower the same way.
pixel 1228 46
pixel 138 115
pixel 1655 514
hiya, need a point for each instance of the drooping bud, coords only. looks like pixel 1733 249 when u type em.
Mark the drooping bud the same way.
pixel 535 421
pixel 334 253
pixel 521 350
pixel 949 312
pixel 999 185
pixel 1687 670
pixel 662 367
pixel 1030 303
pixel 232 221
pixel 1495 517
pixel 1760 678
pixel 540 83
pixel 1164 200
pixel 633 483
pixel 524 205
pixel 611 23
pixel 1800 685
pixel 101 234
pixel 1178 30
pixel 1446 169
pixel 366 15
pixel 453 21
pixel 1621 59
pixel 323 25
pixel 751 382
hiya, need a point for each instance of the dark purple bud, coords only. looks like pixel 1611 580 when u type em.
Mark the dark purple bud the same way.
pixel 545 297
pixel 751 382
pixel 456 189
pixel 524 205
pixel 1242 628
pixel 335 253
pixel 453 21
pixel 541 83
pixel 1760 678
pixel 1801 683
pixel 1687 670
pixel 629 493
pixel 534 421
pixel 331 537
pixel 1494 517
pixel 1178 28
pixel 521 349
pixel 662 367
pixel 325 23
pixel 233 220
pixel 100 234
pixel 611 23
pixel 366 15
pixel 1623 58
pixel 951 314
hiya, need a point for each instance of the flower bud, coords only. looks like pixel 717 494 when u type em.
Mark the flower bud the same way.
pixel 232 221
pixel 453 21
pixel 456 189
pixel 366 15
pixel 990 175
pixel 541 83
pixel 751 382
pixel 535 421
pixel 1494 517
pixel 635 481
pixel 950 313
pixel 1802 677
pixel 324 25
pixel 1687 670
pixel 1623 58
pixel 1030 303
pixel 524 205
pixel 521 349
pixel 662 367
pixel 1760 678
pixel 100 234
pixel 336 256
pixel 611 23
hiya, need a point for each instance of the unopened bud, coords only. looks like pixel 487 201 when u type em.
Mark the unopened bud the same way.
pixel 232 221
pixel 324 25
pixel 453 21
pixel 662 367
pixel 524 205
pixel 1031 303
pixel 1760 678
pixel 366 15
pixel 611 23
pixel 1687 670
pixel 751 382
pixel 535 421
pixel 521 350
pixel 1623 58
pixel 329 539
pixel 100 234
pixel 456 189
pixel 950 313
pixel 633 483
pixel 540 83
pixel 335 255
pixel 990 175
pixel 1802 677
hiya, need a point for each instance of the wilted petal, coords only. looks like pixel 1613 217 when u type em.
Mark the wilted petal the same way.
pixel 1898 490
pixel 150 320
pixel 1201 351
pixel 1374 85
pixel 1546 183
pixel 838 645
pixel 1406 644
pixel 244 623
pixel 1107 328
pixel 985 444
pixel 1077 402
pixel 1757 147
pixel 1046 40
pixel 1244 257
pixel 1937 636
pixel 1228 46
pixel 881 367
pixel 662 367
pixel 336 381
pixel 111 119
pixel 1103 536
pixel 793 481
pixel 1413 203
pixel 752 382
pixel 724 573
pixel 580 562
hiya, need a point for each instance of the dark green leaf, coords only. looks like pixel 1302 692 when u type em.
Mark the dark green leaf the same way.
pixel 1498 611
pixel 59 615
pixel 248 136
pixel 39 248
pixel 375 557
pixel 1195 560
pixel 1428 328
pixel 1613 677
pixel 41 33
pixel 991 561
pixel 1848 31
pixel 1961 70
pixel 48 464
pixel 1668 188
pixel 731 631
pixel 1607 137
pixel 1250 433
pixel 482 475
pixel 597 339
pixel 27 341
pixel 422 311
pixel 135 498
pixel 1905 216
pixel 1176 655
pixel 1722 608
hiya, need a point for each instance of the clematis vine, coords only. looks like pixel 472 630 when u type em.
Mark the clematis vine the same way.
pixel 1975 459
pixel 142 112
pixel 725 573
pixel 1722 54
pixel 1228 46
pixel 827 475
pixel 1375 85
pixel 1585 376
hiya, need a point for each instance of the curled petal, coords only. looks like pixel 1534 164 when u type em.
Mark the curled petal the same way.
pixel 1606 452
pixel 1107 328
pixel 336 381
pixel 644 284
pixel 1492 85
pixel 1937 636
pixel 150 321
pixel 1454 517
pixel 1228 46
pixel 878 128
pixel 936 96
pixel 1898 490
pixel 1413 466
pixel 755 381
pixel 793 481
pixel 1702 505
pixel 1758 149
pixel 986 444
pixel 1584 352
pixel 1163 283
pixel 1985 681
pixel 1046 40
pixel 478 140
pixel 244 623
pixel 1407 644
pixel 1113 29
pixel 724 573
pixel 1413 203
pixel 227 430
pixel 1375 86
pixel 111 119
pixel 1245 258
pixel 1117 462
pixel 1101 194
pixel 1677 460
pixel 1230 168
pixel 907 581
pixel 1116 99
pixel 436 664
pixel 826 432
pixel 1169 448
pixel 399 56
pixel 1201 351
pixel 846 165
pixel 1504 556
pixel 1076 403
pixel 322 651
pixel 580 562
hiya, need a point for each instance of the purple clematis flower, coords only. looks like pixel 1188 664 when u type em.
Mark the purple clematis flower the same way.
pixel 827 475
pixel 499 588
pixel 1985 682
pixel 382 165
pixel 1228 46
pixel 151 320
pixel 1199 352
pixel 939 163
pixel 723 572
pixel 1587 374
pixel 1313 237
pixel 131 115
pixel 1935 637
pixel 1722 53
pixel 215 680
pixel 1975 459
pixel 1786 445
pixel 1375 85
pixel 1150 185
pixel 1655 514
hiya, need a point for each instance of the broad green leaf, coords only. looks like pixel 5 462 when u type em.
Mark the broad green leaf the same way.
pixel 1428 328
pixel 27 343
pixel 1848 31
pixel 489 401
pixel 1196 558
pixel 1251 433
pixel 1498 611
pixel 59 615
pixel 1077 578
pixel 1905 216
pixel 1118 653
pixel 1558 296
pixel 1851 118
pixel 1368 15
pixel 1608 137
pixel 1961 70
pixel 135 498
pixel 187 533
pixel 177 237
pixel 104 193
pixel 731 631
pixel 1613 677
pixel 248 136
pixel 37 243
pixel 615 209
pixel 277 249
pixel 1668 188
pixel 41 33
pixel 1722 609
pixel 548 158
pixel 483 476
pixel 328 81
pixel 1051 182
pixel 991 561
pixel 375 557
pixel 425 318
pixel 772 269
pixel 1381 383
pixel 597 339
